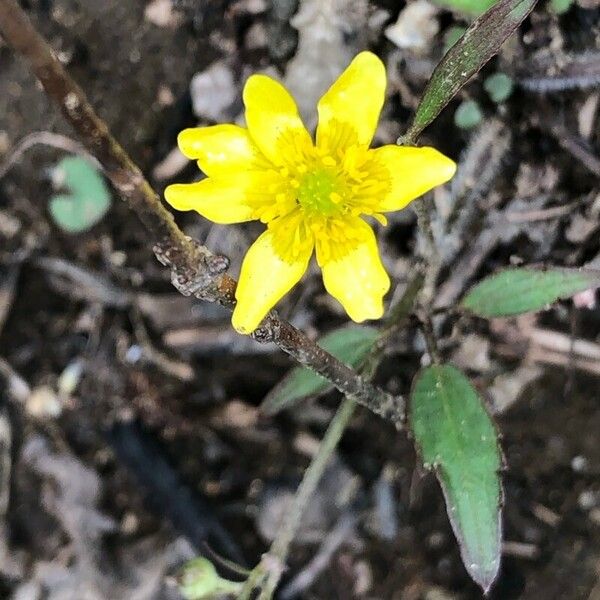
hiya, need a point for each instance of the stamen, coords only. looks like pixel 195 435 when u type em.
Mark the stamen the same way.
pixel 317 188
pixel 321 192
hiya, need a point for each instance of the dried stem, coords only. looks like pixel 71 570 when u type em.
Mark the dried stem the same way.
pixel 195 270
pixel 433 261
pixel 432 270
pixel 273 562
pixel 43 138
pixel 422 209
pixel 19 33
pixel 430 339
pixel 577 148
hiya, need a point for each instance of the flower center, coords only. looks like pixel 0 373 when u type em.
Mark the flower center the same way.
pixel 320 192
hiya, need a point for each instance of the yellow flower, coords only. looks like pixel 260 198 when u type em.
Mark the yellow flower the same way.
pixel 310 195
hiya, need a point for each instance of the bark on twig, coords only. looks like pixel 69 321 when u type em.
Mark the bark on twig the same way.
pixel 195 270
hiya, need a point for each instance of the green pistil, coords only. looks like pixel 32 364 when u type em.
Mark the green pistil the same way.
pixel 318 192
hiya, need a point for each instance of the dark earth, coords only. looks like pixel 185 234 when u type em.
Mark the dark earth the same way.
pixel 163 415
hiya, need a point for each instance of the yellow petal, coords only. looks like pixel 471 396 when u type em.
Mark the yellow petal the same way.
pixel 265 278
pixel 221 150
pixel 412 171
pixel 273 120
pixel 357 278
pixel 219 200
pixel 353 101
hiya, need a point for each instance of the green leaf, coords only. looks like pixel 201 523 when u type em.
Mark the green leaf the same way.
pixel 350 344
pixel 468 115
pixel 87 200
pixel 519 290
pixel 499 87
pixel 480 42
pixel 468 7
pixel 457 439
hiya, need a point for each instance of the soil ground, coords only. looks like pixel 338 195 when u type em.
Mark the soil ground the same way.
pixel 159 451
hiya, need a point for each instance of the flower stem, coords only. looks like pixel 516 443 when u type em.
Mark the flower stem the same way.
pixel 422 209
pixel 275 559
pixel 433 262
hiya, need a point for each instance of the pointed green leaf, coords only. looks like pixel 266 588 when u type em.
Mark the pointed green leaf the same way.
pixel 88 198
pixel 456 438
pixel 480 42
pixel 350 344
pixel 520 290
